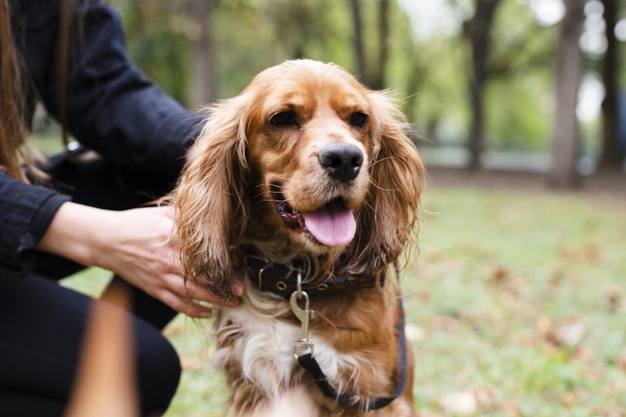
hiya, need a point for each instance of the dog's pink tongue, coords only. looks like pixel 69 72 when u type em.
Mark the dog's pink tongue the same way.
pixel 332 224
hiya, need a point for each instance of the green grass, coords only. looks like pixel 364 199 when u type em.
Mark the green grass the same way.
pixel 48 144
pixel 499 277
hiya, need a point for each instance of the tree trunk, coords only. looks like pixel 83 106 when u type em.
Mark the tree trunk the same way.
pixel 612 156
pixel 478 31
pixel 569 72
pixel 359 49
pixel 383 45
pixel 203 83
pixel 415 78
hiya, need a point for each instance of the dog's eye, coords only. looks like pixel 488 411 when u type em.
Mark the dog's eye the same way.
pixel 358 119
pixel 284 119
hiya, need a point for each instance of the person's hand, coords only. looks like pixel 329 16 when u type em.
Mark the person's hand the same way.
pixel 135 245
pixel 138 250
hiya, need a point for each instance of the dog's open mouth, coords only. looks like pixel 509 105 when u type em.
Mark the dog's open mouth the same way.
pixel 333 224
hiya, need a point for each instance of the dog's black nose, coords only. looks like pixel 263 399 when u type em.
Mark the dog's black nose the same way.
pixel 342 161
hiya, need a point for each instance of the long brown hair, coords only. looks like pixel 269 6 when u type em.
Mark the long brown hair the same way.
pixel 12 130
pixel 15 145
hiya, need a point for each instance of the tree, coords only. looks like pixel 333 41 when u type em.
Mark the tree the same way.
pixel 569 72
pixel 203 75
pixel 612 156
pixel 383 44
pixel 159 44
pixel 359 48
pixel 477 31
pixel 371 75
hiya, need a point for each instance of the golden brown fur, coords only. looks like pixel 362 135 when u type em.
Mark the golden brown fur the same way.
pixel 245 160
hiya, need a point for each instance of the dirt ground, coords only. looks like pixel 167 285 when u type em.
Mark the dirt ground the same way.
pixel 611 187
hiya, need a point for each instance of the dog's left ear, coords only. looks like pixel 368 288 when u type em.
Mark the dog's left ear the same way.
pixel 387 220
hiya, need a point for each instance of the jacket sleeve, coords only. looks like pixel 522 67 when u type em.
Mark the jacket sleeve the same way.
pixel 25 214
pixel 111 107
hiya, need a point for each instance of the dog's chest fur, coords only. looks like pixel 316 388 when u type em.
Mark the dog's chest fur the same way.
pixel 262 345
pixel 256 350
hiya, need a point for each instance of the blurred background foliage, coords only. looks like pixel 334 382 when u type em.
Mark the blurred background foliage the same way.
pixel 475 77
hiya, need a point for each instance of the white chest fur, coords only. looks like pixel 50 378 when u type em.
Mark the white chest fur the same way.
pixel 263 346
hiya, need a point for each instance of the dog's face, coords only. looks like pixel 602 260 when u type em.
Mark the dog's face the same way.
pixel 310 146
pixel 304 160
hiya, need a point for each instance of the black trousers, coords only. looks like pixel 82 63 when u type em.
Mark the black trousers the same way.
pixel 42 323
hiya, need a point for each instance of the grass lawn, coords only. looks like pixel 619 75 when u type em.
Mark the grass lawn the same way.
pixel 516 307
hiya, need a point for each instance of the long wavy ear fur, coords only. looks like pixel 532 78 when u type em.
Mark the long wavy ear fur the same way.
pixel 386 222
pixel 210 200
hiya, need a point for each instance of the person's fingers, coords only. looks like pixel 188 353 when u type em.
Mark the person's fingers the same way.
pixel 238 287
pixel 184 305
pixel 189 289
pixel 175 271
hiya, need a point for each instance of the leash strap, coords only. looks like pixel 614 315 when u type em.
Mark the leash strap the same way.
pixel 309 363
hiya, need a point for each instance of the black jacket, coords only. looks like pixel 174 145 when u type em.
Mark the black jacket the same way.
pixel 111 108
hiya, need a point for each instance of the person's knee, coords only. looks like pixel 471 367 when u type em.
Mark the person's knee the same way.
pixel 25 404
pixel 158 370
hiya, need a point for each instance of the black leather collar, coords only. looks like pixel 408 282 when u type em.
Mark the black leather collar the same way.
pixel 282 279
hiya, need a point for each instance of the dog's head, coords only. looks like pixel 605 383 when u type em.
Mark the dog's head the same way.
pixel 306 159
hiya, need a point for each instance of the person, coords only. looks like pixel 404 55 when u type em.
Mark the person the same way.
pixel 85 211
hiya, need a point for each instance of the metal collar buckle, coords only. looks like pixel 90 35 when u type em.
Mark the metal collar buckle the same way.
pixel 303 345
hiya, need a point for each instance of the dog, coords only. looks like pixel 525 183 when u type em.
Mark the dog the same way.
pixel 306 185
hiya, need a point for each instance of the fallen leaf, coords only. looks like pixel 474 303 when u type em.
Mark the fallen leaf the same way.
pixel 414 333
pixel 621 359
pixel 461 403
pixel 191 364
pixel 445 323
pixel 585 355
pixel 500 274
pixel 512 408
pixel 566 336
pixel 544 325
pixel 485 397
pixel 614 297
pixel 571 335
pixel 589 254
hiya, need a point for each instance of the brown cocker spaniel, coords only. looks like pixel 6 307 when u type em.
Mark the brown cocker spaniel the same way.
pixel 307 185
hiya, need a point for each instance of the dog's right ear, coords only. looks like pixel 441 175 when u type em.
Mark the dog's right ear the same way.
pixel 210 202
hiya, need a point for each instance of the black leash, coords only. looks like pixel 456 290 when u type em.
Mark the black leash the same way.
pixel 309 363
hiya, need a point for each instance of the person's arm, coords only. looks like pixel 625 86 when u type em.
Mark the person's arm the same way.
pixel 133 244
pixel 25 213
pixel 111 106
pixel 117 111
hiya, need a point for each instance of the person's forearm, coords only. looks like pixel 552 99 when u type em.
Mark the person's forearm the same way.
pixel 135 244
pixel 75 233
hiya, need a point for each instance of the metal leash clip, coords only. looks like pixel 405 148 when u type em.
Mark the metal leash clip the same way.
pixel 303 345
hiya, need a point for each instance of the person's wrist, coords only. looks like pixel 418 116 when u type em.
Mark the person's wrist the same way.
pixel 98 245
pixel 66 235
pixel 80 233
